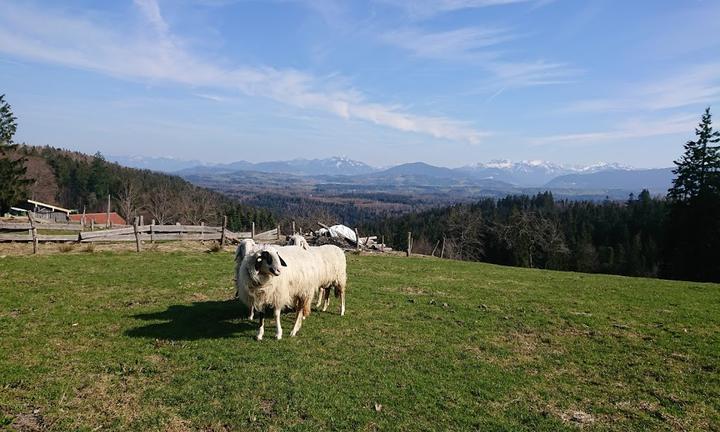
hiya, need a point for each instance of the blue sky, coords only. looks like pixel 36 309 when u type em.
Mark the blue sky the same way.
pixel 449 82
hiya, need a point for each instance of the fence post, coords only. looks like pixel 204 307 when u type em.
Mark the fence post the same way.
pixel 202 232
pixel 92 224
pixel 382 245
pixel 278 232
pixel 137 234
pixel 152 232
pixel 357 239
pixel 33 231
pixel 442 251
pixel 435 248
pixel 222 234
pixel 142 220
pixel 252 232
pixel 409 243
pixel 107 221
pixel 293 227
pixel 82 220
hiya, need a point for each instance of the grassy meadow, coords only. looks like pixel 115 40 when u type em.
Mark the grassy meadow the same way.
pixel 151 341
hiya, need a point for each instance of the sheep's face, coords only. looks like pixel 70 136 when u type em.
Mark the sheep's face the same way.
pixel 269 262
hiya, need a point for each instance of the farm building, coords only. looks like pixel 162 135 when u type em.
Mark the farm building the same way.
pixel 99 218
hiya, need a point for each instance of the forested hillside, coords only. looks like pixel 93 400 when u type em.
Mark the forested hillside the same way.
pixel 609 237
pixel 79 181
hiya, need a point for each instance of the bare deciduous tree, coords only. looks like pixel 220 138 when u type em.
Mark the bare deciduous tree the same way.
pixel 197 207
pixel 161 203
pixel 466 233
pixel 531 236
pixel 127 200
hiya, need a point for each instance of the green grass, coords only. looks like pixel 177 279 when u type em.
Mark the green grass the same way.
pixel 149 341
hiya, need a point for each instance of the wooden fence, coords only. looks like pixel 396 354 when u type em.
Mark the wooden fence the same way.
pixel 30 232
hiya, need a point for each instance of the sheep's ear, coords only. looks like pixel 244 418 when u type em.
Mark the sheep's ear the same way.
pixel 282 261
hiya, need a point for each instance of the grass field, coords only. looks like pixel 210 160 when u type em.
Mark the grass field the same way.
pixel 122 341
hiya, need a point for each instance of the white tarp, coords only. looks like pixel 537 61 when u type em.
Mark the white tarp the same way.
pixel 340 231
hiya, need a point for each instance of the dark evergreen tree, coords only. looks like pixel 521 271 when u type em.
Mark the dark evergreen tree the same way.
pixel 694 225
pixel 13 184
pixel 698 169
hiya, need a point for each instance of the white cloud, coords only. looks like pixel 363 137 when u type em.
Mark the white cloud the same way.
pixel 475 45
pixel 634 128
pixel 698 84
pixel 151 11
pixel 80 42
pixel 428 8
pixel 459 44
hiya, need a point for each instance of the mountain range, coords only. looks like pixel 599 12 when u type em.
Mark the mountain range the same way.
pixel 499 175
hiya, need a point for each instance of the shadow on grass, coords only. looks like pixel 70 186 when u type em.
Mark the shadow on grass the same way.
pixel 201 320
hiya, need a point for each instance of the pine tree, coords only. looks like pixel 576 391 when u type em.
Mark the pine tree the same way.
pixel 699 167
pixel 13 184
pixel 694 225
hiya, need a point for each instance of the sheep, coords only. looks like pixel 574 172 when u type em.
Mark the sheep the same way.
pixel 298 240
pixel 279 281
pixel 245 248
pixel 334 274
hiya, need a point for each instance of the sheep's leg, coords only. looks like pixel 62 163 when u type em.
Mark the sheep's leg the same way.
pixel 326 298
pixel 261 330
pixel 252 313
pixel 278 335
pixel 320 297
pixel 299 319
pixel 342 303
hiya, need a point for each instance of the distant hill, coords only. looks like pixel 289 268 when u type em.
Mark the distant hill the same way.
pixel 162 164
pixel 502 174
pixel 655 180
pixel 334 166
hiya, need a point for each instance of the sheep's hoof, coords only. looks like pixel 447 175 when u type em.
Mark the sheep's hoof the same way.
pixel 258 338
pixel 278 337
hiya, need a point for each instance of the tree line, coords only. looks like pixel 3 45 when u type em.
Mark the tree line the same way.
pixel 83 183
pixel 677 236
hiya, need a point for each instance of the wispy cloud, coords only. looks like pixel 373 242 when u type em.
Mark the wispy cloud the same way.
pixel 477 45
pixel 151 11
pixel 460 44
pixel 634 128
pixel 428 8
pixel 698 84
pixel 80 42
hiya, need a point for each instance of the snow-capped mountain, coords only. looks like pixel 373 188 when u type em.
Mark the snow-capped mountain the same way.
pixel 495 173
pixel 336 165
pixel 532 172
pixel 333 166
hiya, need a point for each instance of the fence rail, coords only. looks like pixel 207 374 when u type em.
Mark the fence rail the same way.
pixel 12 232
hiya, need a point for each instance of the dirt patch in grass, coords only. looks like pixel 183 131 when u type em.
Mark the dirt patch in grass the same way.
pixel 32 422
pixel 106 397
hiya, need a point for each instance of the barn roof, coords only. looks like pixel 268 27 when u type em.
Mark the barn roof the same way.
pixel 99 218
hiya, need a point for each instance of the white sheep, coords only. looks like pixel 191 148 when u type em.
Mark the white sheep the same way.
pixel 298 240
pixel 333 274
pixel 245 248
pixel 334 271
pixel 279 281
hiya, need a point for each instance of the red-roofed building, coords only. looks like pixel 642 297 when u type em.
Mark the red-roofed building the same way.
pixel 99 218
